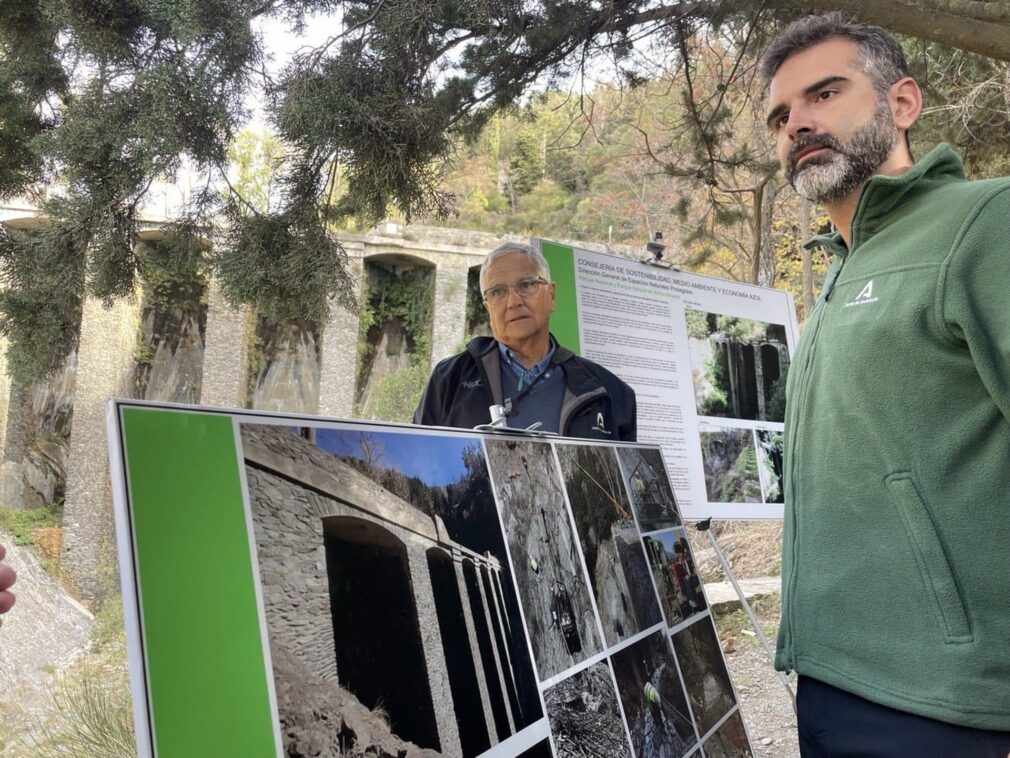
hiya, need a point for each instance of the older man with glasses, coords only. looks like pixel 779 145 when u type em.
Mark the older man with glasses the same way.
pixel 522 367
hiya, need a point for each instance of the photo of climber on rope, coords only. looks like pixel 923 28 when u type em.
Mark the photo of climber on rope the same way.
pixel 647 484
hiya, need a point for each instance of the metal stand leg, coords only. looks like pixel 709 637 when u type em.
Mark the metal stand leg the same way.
pixel 703 526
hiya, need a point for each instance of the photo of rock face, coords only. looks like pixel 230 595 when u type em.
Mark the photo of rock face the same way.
pixel 553 587
pixel 649 488
pixel 704 671
pixel 585 717
pixel 739 366
pixel 769 455
pixel 677 581
pixel 390 611
pixel 731 465
pixel 611 545
pixel 729 740
pixel 654 705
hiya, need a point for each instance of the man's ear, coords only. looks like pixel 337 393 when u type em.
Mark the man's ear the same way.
pixel 554 300
pixel 905 99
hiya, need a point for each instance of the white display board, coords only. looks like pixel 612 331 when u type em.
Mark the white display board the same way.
pixel 708 360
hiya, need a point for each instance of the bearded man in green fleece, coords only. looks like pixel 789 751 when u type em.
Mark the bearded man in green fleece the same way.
pixel 896 565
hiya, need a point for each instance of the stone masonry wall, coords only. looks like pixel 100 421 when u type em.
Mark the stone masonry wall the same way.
pixel 105 369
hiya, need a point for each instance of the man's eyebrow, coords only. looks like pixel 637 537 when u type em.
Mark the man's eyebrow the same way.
pixel 808 90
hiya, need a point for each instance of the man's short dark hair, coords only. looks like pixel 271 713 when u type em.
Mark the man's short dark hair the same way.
pixel 880 55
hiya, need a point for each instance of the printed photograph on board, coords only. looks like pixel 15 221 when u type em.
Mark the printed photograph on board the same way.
pixel 677 581
pixel 729 740
pixel 770 456
pixel 390 611
pixel 739 366
pixel 553 587
pixel 611 546
pixel 731 465
pixel 705 674
pixel 654 705
pixel 649 488
pixel 585 716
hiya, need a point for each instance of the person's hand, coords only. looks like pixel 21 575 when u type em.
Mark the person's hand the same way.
pixel 7 578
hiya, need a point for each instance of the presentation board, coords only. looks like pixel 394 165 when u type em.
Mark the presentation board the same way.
pixel 294 586
pixel 708 360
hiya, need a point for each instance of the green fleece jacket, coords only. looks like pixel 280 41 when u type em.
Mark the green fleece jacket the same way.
pixel 896 552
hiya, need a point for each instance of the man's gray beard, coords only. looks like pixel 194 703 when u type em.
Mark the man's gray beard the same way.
pixel 855 161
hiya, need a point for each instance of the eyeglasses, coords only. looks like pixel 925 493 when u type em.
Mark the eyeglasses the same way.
pixel 524 288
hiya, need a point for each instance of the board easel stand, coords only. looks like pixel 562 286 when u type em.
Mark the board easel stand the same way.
pixel 705 527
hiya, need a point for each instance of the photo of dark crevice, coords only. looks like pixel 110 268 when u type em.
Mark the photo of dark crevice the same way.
pixel 553 587
pixel 610 541
pixel 731 465
pixel 649 488
pixel 739 366
pixel 585 716
pixel 770 457
pixel 705 674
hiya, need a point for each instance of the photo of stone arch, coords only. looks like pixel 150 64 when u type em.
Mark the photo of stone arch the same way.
pixel 656 710
pixel 677 580
pixel 392 620
pixel 611 545
pixel 739 366
pixel 553 586
pixel 649 488
pixel 731 465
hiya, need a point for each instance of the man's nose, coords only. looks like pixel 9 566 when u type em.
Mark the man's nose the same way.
pixel 512 297
pixel 799 123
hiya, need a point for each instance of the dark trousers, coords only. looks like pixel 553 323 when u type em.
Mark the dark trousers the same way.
pixel 836 724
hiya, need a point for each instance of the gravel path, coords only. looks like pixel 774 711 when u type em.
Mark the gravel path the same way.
pixel 767 709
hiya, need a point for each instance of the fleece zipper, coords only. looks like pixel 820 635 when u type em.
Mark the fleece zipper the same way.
pixel 802 390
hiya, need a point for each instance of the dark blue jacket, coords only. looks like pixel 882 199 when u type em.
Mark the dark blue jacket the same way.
pixel 596 405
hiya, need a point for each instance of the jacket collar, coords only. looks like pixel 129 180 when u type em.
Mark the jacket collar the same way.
pixel 485 351
pixel 883 198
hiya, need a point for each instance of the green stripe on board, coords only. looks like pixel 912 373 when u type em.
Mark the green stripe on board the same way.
pixel 207 677
pixel 565 321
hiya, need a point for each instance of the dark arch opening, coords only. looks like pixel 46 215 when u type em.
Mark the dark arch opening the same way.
pixel 380 658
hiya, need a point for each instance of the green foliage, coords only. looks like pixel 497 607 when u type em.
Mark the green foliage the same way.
pixel 257 159
pixel 109 632
pixel 174 269
pixel 396 395
pixel 284 265
pixel 775 408
pixel 174 276
pixel 23 523
pixel 697 324
pixel 40 304
pixel 404 295
pixel 93 717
